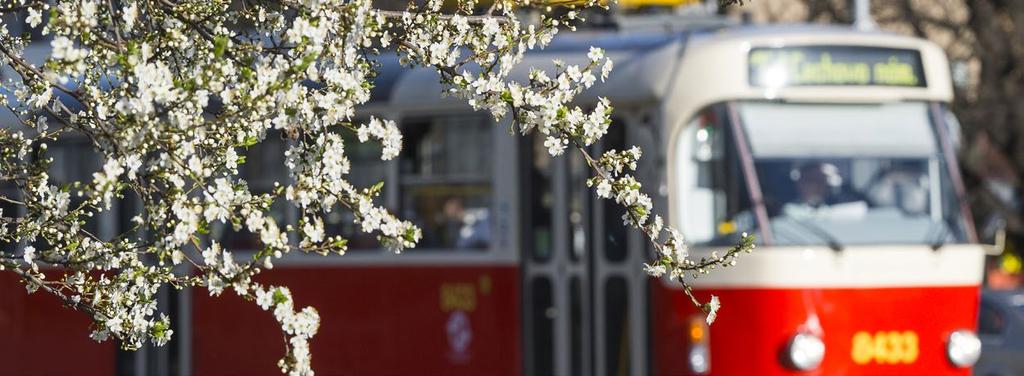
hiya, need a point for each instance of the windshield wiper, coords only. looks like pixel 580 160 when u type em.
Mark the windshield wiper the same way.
pixel 939 239
pixel 830 240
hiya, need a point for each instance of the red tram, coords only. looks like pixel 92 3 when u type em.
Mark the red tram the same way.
pixel 833 146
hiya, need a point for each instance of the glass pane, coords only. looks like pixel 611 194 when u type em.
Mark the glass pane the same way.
pixel 990 320
pixel 446 181
pixel 896 129
pixel 367 169
pixel 615 248
pixel 616 309
pixel 579 206
pixel 858 174
pixel 541 199
pixel 716 197
pixel 451 216
pixel 75 161
pixel 127 208
pixel 543 332
pixel 264 165
pixel 447 145
pixel 576 325
pixel 8 214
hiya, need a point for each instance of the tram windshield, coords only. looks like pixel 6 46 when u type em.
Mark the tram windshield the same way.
pixel 843 174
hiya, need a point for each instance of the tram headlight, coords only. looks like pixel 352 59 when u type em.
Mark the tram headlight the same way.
pixel 699 359
pixel 963 348
pixel 805 352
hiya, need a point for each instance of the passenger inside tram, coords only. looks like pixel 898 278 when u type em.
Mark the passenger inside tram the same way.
pixel 464 228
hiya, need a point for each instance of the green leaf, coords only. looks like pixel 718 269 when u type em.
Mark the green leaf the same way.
pixel 279 297
pixel 375 189
pixel 249 141
pixel 219 44
pixel 159 328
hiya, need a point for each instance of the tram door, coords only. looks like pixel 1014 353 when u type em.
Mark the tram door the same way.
pixel 584 295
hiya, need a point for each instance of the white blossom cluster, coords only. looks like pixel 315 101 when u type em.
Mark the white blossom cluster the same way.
pixel 298 326
pixel 172 94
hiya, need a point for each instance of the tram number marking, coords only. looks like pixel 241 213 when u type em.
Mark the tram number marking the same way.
pixel 458 297
pixel 885 347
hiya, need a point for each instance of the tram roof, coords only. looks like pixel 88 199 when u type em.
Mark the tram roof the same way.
pixel 647 61
pixel 642 61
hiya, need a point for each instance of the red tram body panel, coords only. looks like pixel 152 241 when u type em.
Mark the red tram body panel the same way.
pixel 752 332
pixel 40 336
pixel 430 320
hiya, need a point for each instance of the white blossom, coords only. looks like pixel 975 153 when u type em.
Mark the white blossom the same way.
pixel 35 17
pixel 29 254
pixel 129 15
pixel 713 307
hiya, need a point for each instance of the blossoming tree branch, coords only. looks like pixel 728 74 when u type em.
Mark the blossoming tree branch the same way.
pixel 169 93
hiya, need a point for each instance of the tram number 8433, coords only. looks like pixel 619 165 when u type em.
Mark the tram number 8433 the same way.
pixel 885 347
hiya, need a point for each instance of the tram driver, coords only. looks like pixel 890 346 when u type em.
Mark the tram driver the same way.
pixel 815 197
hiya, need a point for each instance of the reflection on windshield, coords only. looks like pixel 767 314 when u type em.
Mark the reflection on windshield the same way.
pixel 824 181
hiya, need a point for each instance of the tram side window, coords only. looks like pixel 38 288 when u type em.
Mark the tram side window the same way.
pixel 542 199
pixel 446 180
pixel 16 24
pixel 716 204
pixel 75 160
pixel 367 169
pixel 9 212
pixel 264 165
pixel 615 247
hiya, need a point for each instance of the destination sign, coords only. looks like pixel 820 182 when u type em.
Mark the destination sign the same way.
pixel 835 65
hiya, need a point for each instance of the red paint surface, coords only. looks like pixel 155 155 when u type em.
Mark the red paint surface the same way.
pixel 755 324
pixel 39 336
pixel 374 321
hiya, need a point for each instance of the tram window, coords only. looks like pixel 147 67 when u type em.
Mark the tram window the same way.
pixel 616 327
pixel 8 213
pixel 75 160
pixel 615 246
pixel 715 198
pixel 541 199
pixel 576 334
pixel 264 165
pixel 858 174
pixel 127 208
pixel 446 180
pixel 367 169
pixel 579 207
pixel 16 23
pixel 542 315
pixel 990 320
